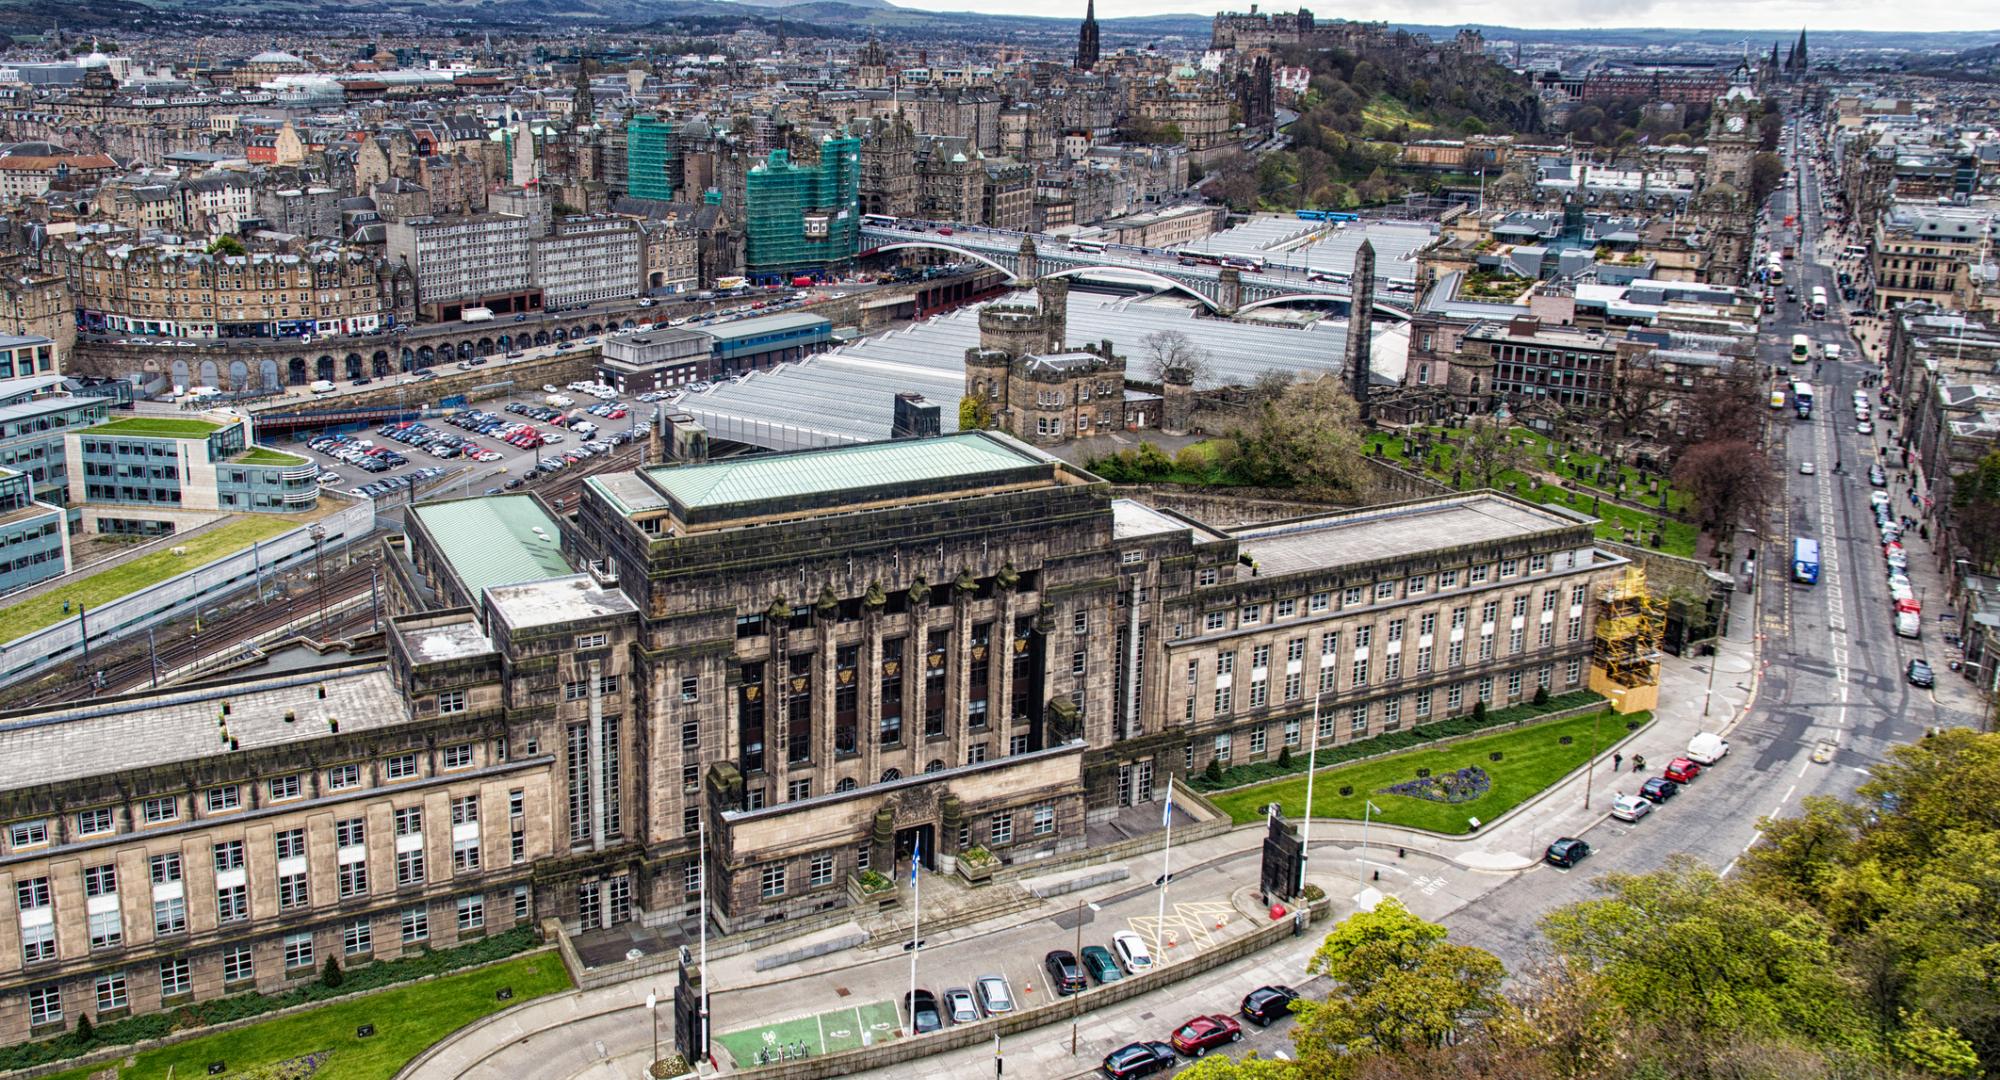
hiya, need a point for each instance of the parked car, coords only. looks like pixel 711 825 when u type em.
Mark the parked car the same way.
pixel 1806 468
pixel 1566 851
pixel 1707 748
pixel 1138 1059
pixel 958 1005
pixel 1681 770
pixel 1268 1003
pixel 921 1007
pixel 1659 789
pixel 1920 674
pixel 1204 1033
pixel 1132 953
pixel 1630 807
pixel 1065 973
pixel 995 998
pixel 1102 966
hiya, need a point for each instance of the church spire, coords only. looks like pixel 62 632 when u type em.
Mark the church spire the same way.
pixel 1086 38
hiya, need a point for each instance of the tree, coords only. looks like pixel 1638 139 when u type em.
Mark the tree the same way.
pixel 1398 985
pixel 332 976
pixel 1975 510
pixel 1489 451
pixel 1170 352
pixel 226 245
pixel 1767 171
pixel 1308 436
pixel 974 413
pixel 1726 480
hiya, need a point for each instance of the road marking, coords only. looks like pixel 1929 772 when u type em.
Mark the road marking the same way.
pixel 1788 794
pixel 1727 868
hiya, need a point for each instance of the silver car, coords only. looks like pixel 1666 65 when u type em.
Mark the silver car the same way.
pixel 994 996
pixel 959 1007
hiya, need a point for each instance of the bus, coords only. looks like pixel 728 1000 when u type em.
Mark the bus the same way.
pixel 884 221
pixel 1802 399
pixel 1805 561
pixel 1244 262
pixel 1774 269
pixel 1819 301
pixel 1801 348
pixel 1089 247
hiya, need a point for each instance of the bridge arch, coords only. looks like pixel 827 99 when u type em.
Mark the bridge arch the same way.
pixel 954 249
pixel 1292 298
pixel 1177 286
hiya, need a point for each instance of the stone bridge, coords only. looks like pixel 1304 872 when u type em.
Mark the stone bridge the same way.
pixel 1223 290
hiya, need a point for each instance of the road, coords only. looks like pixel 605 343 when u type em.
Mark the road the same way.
pixel 1832 667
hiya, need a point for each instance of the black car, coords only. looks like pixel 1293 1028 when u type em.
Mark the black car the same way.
pixel 1920 675
pixel 922 1008
pixel 1659 789
pixel 1138 1059
pixel 1268 1003
pixel 1065 972
pixel 1567 851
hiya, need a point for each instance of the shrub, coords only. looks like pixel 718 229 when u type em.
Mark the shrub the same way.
pixel 1213 774
pixel 1313 893
pixel 871 881
pixel 1478 712
pixel 332 976
pixel 1285 756
pixel 1541 695
pixel 84 1029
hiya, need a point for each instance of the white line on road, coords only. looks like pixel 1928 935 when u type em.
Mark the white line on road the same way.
pixel 1788 794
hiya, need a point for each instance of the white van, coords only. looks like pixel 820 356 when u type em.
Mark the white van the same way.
pixel 1708 748
pixel 321 386
pixel 1908 624
pixel 1830 351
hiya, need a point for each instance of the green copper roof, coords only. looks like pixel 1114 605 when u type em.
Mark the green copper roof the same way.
pixel 492 541
pixel 730 482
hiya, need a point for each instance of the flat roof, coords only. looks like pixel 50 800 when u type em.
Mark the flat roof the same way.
pixel 1131 519
pixel 763 324
pixel 555 601
pixel 627 492
pixel 492 540
pixel 451 641
pixel 1393 532
pixel 965 455
pixel 152 730
pixel 157 427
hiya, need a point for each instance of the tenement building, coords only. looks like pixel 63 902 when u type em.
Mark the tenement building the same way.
pixel 814 662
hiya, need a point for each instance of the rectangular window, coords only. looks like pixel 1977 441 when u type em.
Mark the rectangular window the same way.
pixel 290 844
pixel 160 810
pixel 1414 586
pixel 416 922
pixel 1359 674
pixel 292 891
pixel 471 912
pixel 1509 567
pixel 1544 675
pixel 465 810
pixel 1205 576
pixel 1001 829
pixel 458 757
pixel 176 977
pixel 285 787
pixel 1080 622
pixel 409 820
pixel 1350 597
pixel 451 701
pixel 94 822
pixel 1257 738
pixel 353 832
pixel 1454 699
pixel 1385 590
pixel 465 855
pixel 1045 819
pixel 239 964
pixel 1513 685
pixel 100 880
pixel 591 641
pixel 1392 714
pixel 1214 621
pixel 1222 747
pixel 402 766
pixel 1288 608
pixel 1486 689
pixel 228 855
pixel 1251 615
pixel 821 871
pixel 1478 575
pixel 1575 628
pixel 298 951
pixel 798 789
pixel 1423 704
pixel 1319 602
pixel 232 904
pixel 342 777
pixel 111 991
pixel 771 881
pixel 357 938
pixel 1572 671
pixel 410 867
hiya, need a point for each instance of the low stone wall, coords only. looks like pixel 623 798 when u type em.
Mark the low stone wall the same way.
pixel 1050 1011
pixel 1394 483
pixel 1224 507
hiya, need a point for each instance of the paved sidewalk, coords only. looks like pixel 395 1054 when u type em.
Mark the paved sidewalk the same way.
pixel 605 1032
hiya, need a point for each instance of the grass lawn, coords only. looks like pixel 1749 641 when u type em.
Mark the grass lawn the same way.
pixel 407 1019
pixel 1532 758
pixel 158 427
pixel 128 577
pixel 258 455
pixel 1388 112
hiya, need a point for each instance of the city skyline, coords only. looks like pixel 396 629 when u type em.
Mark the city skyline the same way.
pixel 1561 15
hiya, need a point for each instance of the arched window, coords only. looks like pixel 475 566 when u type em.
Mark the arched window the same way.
pixel 934 766
pixel 846 784
pixel 890 774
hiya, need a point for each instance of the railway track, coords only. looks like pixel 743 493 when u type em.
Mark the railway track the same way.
pixel 130 665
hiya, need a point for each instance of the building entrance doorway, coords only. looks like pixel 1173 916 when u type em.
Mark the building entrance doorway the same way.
pixel 906 842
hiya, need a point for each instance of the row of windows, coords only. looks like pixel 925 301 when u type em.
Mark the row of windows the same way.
pixel 1381 591
pixel 773 878
pixel 165 809
pixel 298 955
pixel 229 858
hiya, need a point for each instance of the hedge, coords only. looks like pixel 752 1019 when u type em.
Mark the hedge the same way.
pixel 365 977
pixel 1257 772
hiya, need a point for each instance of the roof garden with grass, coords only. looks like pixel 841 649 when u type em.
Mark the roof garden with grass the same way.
pixel 259 455
pixel 157 427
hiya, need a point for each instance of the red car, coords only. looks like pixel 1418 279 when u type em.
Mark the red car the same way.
pixel 1204 1033
pixel 1681 770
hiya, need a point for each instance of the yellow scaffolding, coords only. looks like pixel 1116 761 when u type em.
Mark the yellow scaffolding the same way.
pixel 1631 623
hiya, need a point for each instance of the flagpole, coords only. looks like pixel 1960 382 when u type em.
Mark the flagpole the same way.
pixel 1367 808
pixel 1306 827
pixel 1166 872
pixel 916 916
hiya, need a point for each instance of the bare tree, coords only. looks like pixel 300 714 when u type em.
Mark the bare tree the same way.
pixel 1170 352
pixel 1727 480
pixel 1489 451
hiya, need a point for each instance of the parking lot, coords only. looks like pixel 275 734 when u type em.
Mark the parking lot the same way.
pixel 496 445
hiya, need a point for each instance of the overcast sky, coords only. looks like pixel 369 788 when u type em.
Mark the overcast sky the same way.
pixel 1716 14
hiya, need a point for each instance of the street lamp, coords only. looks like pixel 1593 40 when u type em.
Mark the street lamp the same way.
pixel 653 1010
pixel 319 572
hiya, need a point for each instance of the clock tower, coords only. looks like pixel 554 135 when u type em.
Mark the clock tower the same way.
pixel 1732 139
